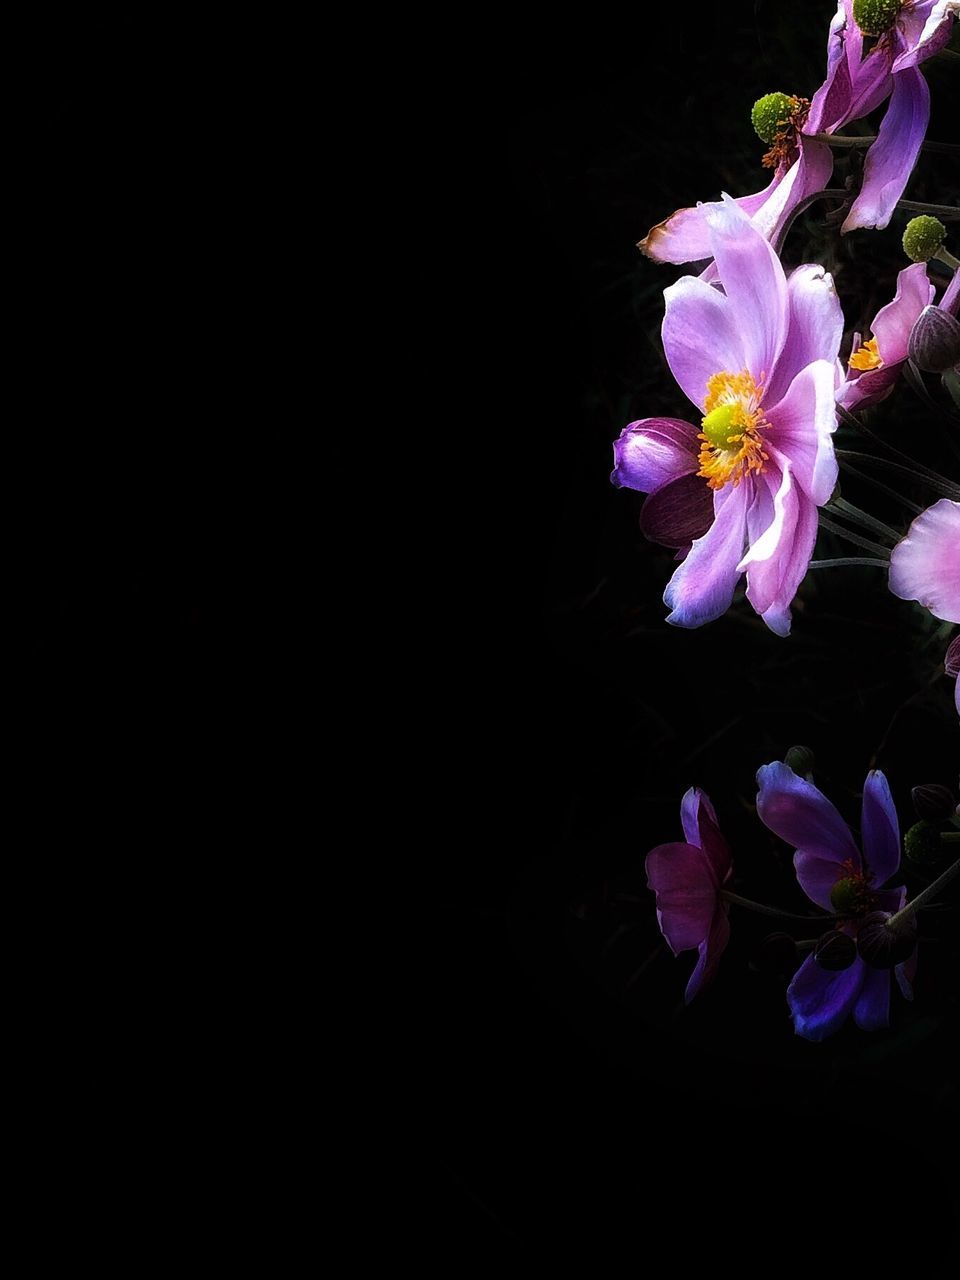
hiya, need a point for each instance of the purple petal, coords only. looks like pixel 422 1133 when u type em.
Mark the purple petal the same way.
pixel 694 801
pixel 821 1001
pixel 880 829
pixel 685 236
pixel 700 827
pixel 893 323
pixel 700 335
pixel 927 29
pixel 710 952
pixel 683 880
pixel 951 663
pixel 815 327
pixel 653 451
pixel 754 282
pixel 925 565
pixel 890 160
pixel 829 104
pixel 702 588
pixel 862 389
pixel 810 173
pixel 777 561
pixel 872 1010
pixel 801 815
pixel 802 427
pixel 951 295
pixel 679 512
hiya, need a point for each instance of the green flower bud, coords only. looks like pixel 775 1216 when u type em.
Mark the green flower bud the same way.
pixel 923 237
pixel 922 843
pixel 874 17
pixel 770 114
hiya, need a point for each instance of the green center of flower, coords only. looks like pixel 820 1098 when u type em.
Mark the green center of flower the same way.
pixel 771 114
pixel 851 895
pixel 923 237
pixel 721 428
pixel 874 17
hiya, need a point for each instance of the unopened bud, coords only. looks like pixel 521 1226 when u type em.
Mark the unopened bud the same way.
pixel 935 341
pixel 835 951
pixel 801 760
pixel 923 237
pixel 922 843
pixel 881 946
pixel 933 802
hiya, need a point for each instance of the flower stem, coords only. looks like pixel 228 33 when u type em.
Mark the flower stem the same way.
pixel 951 837
pixel 844 508
pixel 883 552
pixel 846 141
pixel 947 258
pixel 925 895
pixel 884 488
pixel 847 560
pixel 943 487
pixel 770 911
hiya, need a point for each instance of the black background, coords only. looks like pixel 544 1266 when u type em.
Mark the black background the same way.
pixel 574 1104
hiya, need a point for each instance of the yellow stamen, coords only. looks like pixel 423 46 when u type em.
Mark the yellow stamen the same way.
pixel 732 424
pixel 867 357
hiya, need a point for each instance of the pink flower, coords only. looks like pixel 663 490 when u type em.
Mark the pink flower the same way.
pixel 925 565
pixel 759 361
pixel 875 366
pixel 687 878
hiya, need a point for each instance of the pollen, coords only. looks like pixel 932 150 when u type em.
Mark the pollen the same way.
pixel 866 357
pixel 784 136
pixel 731 442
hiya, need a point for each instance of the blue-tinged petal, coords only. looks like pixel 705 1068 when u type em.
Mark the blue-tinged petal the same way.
pixel 710 952
pixel 653 451
pixel 702 588
pixel 889 162
pixel 821 1001
pixel 872 1009
pixel 880 829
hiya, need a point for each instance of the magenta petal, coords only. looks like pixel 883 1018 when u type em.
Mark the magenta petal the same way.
pixel 872 1009
pixel 777 561
pixel 686 889
pixel 754 282
pixel 653 451
pixel 925 565
pixel 700 827
pixel 894 322
pixel 830 103
pixel 890 160
pixel 868 388
pixel 702 588
pixel 700 335
pixel 802 427
pixel 800 814
pixel 679 512
pixel 710 952
pixel 880 829
pixel 814 329
pixel 951 662
pixel 820 1001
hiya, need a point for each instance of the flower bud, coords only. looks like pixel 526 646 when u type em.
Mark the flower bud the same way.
pixel 771 114
pixel 923 237
pixel 874 17
pixel 933 802
pixel 922 843
pixel 881 946
pixel 801 760
pixel 935 341
pixel 835 951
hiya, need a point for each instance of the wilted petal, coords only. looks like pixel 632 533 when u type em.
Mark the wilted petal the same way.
pixel 702 588
pixel 685 236
pixel 801 429
pixel 814 329
pixel 800 814
pixel 872 1009
pixel 710 952
pixel 927 29
pixel 754 282
pixel 700 336
pixel 821 1001
pixel 890 160
pixel 925 565
pixel 679 512
pixel 683 880
pixel 880 829
pixel 653 451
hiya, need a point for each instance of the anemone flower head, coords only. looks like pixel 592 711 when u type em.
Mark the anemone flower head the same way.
pixel 875 365
pixel 925 565
pixel 835 875
pixel 687 878
pixel 758 359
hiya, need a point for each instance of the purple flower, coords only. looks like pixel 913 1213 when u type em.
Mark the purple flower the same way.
pixel 759 361
pixel 951 664
pixel 858 82
pixel 925 565
pixel 875 366
pixel 687 878
pixel 834 875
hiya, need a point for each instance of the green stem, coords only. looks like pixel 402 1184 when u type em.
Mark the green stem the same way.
pixel 883 552
pixel 946 257
pixel 844 508
pixel 848 560
pixel 771 911
pixel 883 488
pixel 846 141
pixel 943 487
pixel 945 212
pixel 926 894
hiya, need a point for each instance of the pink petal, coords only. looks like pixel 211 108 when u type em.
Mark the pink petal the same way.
pixel 810 174
pixel 829 104
pixel 802 426
pixel 679 512
pixel 653 451
pixel 754 282
pixel 685 236
pixel 890 160
pixel 777 561
pixel 700 336
pixel 925 565
pixel 800 814
pixel 951 295
pixel 710 952
pixel 893 323
pixel 702 588
pixel 684 882
pixel 879 829
pixel 927 28
pixel 814 329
